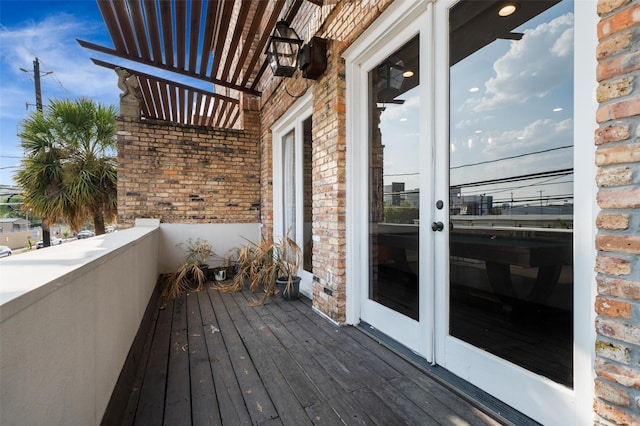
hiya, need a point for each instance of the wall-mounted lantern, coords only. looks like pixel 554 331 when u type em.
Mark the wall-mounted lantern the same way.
pixel 282 50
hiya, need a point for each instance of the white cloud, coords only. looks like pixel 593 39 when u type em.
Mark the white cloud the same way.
pixel 395 112
pixel 53 42
pixel 533 66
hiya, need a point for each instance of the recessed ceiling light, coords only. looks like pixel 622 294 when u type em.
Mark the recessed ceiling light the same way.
pixel 403 119
pixel 557 109
pixel 407 74
pixel 478 131
pixel 474 89
pixel 507 9
pixel 520 137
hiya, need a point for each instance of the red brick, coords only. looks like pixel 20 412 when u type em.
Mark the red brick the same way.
pixel 614 89
pixel 618 243
pixel 618 154
pixel 619 199
pixel 613 308
pixel 613 133
pixel 619 65
pixel 613 176
pixel 616 287
pixel 612 265
pixel 622 375
pixel 618 110
pixel 611 393
pixel 618 329
pixel 615 414
pixel 622 20
pixel 613 45
pixel 612 222
pixel 607 6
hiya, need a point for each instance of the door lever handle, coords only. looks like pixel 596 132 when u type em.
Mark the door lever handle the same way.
pixel 437 226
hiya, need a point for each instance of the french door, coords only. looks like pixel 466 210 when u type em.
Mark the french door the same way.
pixel 463 186
pixel 292 184
pixel 506 256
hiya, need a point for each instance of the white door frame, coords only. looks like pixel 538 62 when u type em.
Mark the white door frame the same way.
pixel 399 24
pixel 301 110
pixel 389 25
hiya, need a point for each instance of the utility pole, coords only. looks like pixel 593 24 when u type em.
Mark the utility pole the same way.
pixel 36 81
pixel 46 233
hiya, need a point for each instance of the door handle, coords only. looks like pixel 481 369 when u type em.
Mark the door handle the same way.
pixel 437 226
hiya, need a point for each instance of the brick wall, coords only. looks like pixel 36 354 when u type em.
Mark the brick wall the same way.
pixel 340 24
pixel 189 174
pixel 617 366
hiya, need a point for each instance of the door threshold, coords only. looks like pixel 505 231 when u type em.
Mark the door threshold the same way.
pixel 485 402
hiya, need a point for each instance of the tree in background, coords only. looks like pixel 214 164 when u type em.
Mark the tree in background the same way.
pixel 69 169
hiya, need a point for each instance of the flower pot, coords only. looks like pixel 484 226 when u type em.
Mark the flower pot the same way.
pixel 220 274
pixel 290 293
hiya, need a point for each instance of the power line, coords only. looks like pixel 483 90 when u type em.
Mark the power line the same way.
pixel 510 158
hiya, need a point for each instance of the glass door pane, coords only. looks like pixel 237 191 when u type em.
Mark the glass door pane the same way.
pixel 511 183
pixel 289 184
pixel 394 191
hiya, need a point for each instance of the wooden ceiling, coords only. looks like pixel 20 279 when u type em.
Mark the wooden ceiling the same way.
pixel 220 42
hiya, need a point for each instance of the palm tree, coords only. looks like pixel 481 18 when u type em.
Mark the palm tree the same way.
pixel 68 172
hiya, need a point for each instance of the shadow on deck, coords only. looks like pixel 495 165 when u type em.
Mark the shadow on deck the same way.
pixel 209 359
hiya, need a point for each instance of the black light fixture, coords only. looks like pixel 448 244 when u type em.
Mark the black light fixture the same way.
pixel 282 50
pixel 313 58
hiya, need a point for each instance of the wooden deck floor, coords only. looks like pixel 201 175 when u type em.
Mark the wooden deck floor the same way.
pixel 212 359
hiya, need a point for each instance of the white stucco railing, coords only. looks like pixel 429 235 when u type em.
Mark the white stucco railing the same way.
pixel 70 313
pixel 68 317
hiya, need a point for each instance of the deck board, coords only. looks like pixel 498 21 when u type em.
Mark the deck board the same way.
pixel 213 359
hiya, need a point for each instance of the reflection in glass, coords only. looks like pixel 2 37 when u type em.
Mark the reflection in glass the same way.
pixel 511 183
pixel 393 181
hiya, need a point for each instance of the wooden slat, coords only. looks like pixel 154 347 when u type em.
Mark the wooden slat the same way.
pixel 207 41
pixel 181 107
pixel 146 96
pixel 224 362
pixel 258 53
pixel 204 405
pixel 234 118
pixel 165 81
pixel 178 396
pixel 221 115
pixel 253 31
pixel 255 395
pixel 181 28
pixel 235 40
pixel 228 393
pixel 250 328
pixel 111 22
pixel 154 31
pixel 194 30
pixel 174 103
pixel 155 94
pixel 198 109
pixel 125 27
pixel 151 403
pixel 221 37
pixel 167 33
pixel 106 50
pixel 166 102
pixel 190 108
pixel 140 30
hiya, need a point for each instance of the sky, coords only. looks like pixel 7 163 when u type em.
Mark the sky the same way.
pixel 508 99
pixel 47 30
